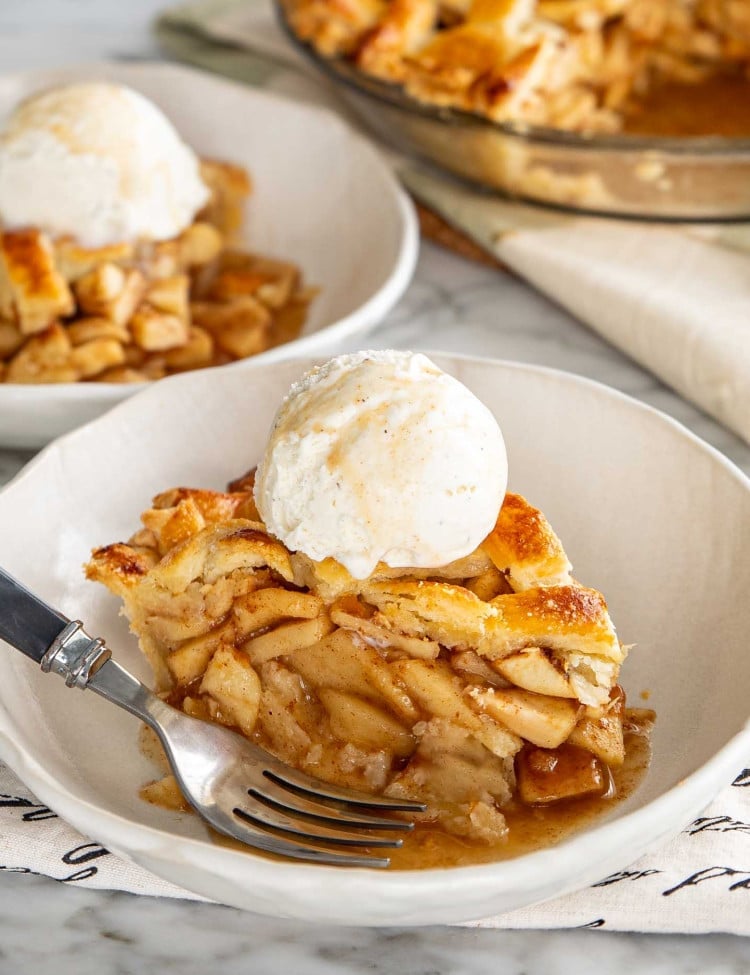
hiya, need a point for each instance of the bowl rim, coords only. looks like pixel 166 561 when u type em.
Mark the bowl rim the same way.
pixel 393 95
pixel 133 840
pixel 365 316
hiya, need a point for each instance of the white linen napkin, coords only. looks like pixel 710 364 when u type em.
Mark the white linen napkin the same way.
pixel 697 883
pixel 675 300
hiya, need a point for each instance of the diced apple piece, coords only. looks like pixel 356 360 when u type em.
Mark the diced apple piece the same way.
pixel 534 669
pixel 361 723
pixel 544 721
pixel 548 775
pixel 165 793
pixel 235 686
pixel 602 737
pixel 488 584
pixel 599 730
pixel 439 692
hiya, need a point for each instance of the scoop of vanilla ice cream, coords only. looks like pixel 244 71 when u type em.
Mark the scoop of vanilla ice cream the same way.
pixel 382 457
pixel 99 162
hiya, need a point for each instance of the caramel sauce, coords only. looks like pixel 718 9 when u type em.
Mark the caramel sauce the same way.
pixel 530 828
pixel 717 106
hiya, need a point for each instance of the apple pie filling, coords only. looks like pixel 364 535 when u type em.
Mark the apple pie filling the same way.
pixel 482 688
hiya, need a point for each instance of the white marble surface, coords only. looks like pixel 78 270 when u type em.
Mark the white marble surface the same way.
pixel 452 305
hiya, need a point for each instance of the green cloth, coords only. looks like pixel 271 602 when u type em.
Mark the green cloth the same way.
pixel 184 33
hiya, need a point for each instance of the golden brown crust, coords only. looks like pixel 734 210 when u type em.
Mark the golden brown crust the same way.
pixel 523 545
pixel 578 64
pixel 214 506
pixel 566 618
pixel 338 26
pixel 118 566
pixel 33 293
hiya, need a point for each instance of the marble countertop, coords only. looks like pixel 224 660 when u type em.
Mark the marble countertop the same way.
pixel 453 306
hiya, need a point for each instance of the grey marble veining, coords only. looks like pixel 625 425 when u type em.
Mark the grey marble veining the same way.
pixel 454 306
pixel 89 933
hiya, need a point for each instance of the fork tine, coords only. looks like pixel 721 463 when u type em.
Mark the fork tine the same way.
pixel 249 834
pixel 319 791
pixel 269 818
pixel 279 799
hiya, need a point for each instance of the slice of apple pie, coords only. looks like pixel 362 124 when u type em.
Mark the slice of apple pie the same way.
pixel 475 687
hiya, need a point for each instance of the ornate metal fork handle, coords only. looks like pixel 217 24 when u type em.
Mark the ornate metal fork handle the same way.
pixel 74 655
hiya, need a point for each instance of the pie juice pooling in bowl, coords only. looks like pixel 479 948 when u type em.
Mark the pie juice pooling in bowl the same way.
pixel 332 610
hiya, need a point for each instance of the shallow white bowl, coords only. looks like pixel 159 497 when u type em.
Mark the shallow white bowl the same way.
pixel 322 198
pixel 648 513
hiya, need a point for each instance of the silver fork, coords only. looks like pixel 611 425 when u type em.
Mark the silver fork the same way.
pixel 238 788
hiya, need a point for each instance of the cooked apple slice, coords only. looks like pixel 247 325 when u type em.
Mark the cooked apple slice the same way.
pixel 257 610
pixel 344 663
pixel 235 686
pixel 439 692
pixel 602 737
pixel 286 639
pixel 544 721
pixel 361 723
pixel 189 661
pixel 165 793
pixel 599 730
pixel 536 670
pixel 548 775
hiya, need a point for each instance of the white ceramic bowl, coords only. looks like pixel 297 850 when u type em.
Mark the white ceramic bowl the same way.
pixel 648 513
pixel 322 198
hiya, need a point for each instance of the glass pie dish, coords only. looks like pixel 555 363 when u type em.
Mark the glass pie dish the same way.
pixel 662 178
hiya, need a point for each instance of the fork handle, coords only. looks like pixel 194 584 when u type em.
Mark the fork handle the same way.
pixel 26 622
pixel 62 646
pixel 42 633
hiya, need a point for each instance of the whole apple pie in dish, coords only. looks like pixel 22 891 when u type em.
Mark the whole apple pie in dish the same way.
pixel 483 687
pixel 581 65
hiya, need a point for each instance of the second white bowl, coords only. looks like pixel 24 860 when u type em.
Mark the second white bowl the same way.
pixel 322 198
